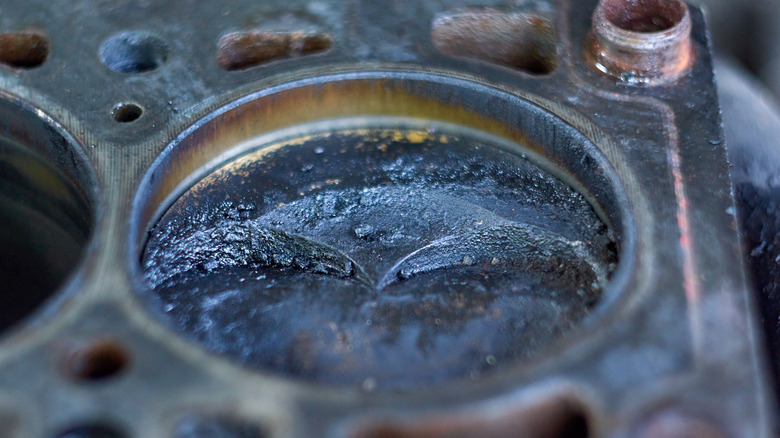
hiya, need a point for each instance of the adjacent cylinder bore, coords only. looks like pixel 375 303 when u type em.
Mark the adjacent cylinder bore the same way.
pixel 45 213
pixel 641 41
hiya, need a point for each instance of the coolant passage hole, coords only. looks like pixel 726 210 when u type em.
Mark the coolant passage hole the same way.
pixel 385 258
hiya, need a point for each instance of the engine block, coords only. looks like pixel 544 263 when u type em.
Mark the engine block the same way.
pixel 370 219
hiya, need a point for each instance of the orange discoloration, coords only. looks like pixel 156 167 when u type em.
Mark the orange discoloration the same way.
pixel 519 40
pixel 26 49
pixel 240 50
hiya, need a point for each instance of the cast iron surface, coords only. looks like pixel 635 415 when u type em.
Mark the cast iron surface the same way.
pixel 671 338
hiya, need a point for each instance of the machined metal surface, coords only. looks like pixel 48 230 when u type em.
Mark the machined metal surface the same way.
pixel 365 219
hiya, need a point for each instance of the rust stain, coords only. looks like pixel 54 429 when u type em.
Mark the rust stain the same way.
pixel 23 49
pixel 520 40
pixel 240 50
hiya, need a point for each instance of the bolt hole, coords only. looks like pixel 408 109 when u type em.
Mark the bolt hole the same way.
pixel 133 52
pixel 126 112
pixel 98 361
pixel 23 49
pixel 92 431
pixel 646 16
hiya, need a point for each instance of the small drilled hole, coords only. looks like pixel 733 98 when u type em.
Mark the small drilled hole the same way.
pixel 126 112
pixel 133 52
pixel 644 16
pixel 98 361
pixel 23 49
pixel 92 431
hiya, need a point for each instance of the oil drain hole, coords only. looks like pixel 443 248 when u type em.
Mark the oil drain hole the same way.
pixel 241 50
pixel 557 418
pixel 98 361
pixel 126 112
pixel 95 430
pixel 26 49
pixel 645 16
pixel 519 40
pixel 133 52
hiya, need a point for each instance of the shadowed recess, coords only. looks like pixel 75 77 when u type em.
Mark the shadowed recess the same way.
pixel 241 50
pixel 553 418
pixel 645 16
pixel 26 49
pixel 45 222
pixel 133 52
pixel 97 361
pixel 126 112
pixel 524 41
pixel 96 430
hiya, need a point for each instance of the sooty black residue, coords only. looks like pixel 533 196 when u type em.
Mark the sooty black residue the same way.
pixel 383 258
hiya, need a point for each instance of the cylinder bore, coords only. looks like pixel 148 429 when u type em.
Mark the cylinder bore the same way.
pixel 379 251
pixel 45 215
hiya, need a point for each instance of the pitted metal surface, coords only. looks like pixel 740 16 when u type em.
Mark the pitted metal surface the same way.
pixel 380 257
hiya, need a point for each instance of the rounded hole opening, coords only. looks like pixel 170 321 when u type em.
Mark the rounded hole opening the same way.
pixel 644 16
pixel 126 112
pixel 242 50
pixel 98 361
pixel 95 430
pixel 46 211
pixel 526 42
pixel 27 49
pixel 133 52
pixel 556 418
pixel 329 159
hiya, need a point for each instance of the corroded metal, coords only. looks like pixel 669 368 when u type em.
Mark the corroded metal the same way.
pixel 641 42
